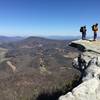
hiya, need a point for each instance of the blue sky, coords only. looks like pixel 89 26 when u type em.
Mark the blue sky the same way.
pixel 47 17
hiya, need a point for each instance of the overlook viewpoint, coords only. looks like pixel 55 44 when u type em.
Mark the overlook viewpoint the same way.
pixel 89 89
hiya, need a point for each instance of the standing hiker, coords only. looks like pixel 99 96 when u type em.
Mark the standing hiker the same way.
pixel 83 31
pixel 95 29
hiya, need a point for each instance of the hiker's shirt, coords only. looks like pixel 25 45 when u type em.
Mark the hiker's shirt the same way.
pixel 84 30
pixel 95 29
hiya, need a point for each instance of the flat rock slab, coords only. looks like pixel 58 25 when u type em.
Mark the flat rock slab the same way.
pixel 87 45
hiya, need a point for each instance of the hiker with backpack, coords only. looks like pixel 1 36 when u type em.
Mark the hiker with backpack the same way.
pixel 83 31
pixel 95 29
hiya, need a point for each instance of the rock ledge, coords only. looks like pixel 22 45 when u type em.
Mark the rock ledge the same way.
pixel 89 63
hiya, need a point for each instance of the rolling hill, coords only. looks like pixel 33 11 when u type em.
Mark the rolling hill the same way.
pixel 36 68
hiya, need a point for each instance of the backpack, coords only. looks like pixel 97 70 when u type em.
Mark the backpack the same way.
pixel 81 29
pixel 93 27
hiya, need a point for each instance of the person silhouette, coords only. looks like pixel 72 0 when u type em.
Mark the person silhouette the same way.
pixel 95 29
pixel 83 31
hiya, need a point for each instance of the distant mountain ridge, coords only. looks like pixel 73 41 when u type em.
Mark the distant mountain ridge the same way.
pixel 31 42
pixel 63 37
pixel 5 39
pixel 10 39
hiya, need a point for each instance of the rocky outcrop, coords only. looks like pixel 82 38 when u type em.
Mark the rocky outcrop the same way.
pixel 89 64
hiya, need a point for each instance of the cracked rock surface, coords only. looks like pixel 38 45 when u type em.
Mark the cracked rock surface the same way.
pixel 89 64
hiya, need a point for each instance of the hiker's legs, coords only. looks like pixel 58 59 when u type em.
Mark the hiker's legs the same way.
pixel 84 35
pixel 95 36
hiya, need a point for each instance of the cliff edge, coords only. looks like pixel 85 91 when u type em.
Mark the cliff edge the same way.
pixel 89 64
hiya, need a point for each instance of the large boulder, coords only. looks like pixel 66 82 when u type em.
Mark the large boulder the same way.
pixel 89 89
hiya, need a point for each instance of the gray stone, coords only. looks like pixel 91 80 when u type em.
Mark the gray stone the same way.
pixel 89 89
